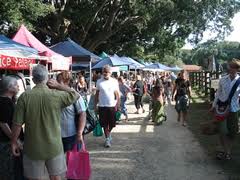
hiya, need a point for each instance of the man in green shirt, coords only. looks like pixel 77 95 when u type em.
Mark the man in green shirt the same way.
pixel 40 111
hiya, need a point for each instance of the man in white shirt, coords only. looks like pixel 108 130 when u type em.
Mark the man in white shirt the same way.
pixel 107 99
pixel 228 128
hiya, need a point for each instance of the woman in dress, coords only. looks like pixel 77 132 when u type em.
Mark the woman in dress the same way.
pixel 158 114
pixel 8 90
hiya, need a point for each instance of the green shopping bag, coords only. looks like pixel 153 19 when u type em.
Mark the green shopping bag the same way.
pixel 98 130
pixel 118 115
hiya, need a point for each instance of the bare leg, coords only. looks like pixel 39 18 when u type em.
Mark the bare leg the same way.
pixel 106 132
pixel 55 177
pixel 184 118
pixel 179 117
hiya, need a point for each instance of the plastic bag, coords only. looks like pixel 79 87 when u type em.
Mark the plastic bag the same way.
pixel 98 130
pixel 78 164
pixel 118 115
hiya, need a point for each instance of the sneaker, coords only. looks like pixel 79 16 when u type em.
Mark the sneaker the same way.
pixel 110 137
pixel 107 143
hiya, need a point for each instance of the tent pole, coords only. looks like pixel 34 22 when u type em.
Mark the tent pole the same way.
pixel 90 76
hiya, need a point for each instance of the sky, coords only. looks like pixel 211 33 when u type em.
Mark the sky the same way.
pixel 234 36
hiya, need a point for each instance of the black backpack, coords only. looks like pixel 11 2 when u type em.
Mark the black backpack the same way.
pixel 91 120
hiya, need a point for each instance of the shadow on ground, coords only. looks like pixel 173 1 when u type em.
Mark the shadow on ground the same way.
pixel 198 114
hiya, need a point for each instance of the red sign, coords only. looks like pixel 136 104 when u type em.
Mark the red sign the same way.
pixel 15 63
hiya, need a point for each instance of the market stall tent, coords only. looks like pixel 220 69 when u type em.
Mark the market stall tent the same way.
pixel 16 56
pixel 71 48
pixel 111 61
pixel 25 37
pixel 156 67
pixel 81 57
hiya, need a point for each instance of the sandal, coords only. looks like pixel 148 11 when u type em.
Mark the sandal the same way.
pixel 220 155
pixel 228 156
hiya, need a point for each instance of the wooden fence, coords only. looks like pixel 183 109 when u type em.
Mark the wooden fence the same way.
pixel 205 81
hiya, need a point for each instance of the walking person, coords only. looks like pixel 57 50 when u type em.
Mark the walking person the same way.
pixel 228 127
pixel 181 94
pixel 124 90
pixel 71 128
pixel 40 111
pixel 158 114
pixel 168 90
pixel 8 166
pixel 138 91
pixel 81 87
pixel 107 99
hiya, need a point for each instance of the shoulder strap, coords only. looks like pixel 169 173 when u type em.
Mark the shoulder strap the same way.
pixel 75 108
pixel 233 90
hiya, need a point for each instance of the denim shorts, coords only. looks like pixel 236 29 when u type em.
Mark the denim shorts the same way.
pixel 69 142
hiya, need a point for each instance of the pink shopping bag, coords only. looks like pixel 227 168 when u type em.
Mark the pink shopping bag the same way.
pixel 78 164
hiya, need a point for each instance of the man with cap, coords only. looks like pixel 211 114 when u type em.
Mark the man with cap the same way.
pixel 228 128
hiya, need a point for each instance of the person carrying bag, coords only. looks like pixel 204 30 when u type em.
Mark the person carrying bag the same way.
pixel 226 108
pixel 78 164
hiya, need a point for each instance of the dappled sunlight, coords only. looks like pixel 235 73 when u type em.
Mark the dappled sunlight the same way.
pixel 112 152
pixel 112 166
pixel 149 129
pixel 127 129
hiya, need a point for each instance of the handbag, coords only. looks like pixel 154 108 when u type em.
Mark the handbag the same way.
pixel 222 108
pixel 98 130
pixel 91 120
pixel 78 164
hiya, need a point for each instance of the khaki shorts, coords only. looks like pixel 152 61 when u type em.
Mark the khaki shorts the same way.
pixel 229 127
pixel 40 169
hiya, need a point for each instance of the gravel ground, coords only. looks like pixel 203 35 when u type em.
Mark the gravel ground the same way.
pixel 141 151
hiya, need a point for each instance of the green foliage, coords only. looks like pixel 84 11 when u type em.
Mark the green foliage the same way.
pixel 223 51
pixel 16 12
pixel 138 28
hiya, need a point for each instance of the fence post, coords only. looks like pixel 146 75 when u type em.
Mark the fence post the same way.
pixel 199 82
pixel 206 83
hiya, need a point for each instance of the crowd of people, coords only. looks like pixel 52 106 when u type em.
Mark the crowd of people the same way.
pixel 39 128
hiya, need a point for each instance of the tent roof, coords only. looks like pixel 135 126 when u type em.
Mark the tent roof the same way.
pixel 112 61
pixel 192 68
pixel 8 44
pixel 71 48
pixel 158 66
pixel 26 38
pixel 103 55
pixel 134 64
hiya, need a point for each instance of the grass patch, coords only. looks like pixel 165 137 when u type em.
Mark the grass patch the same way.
pixel 198 113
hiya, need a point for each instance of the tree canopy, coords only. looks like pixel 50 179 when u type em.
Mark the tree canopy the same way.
pixel 137 28
pixel 222 51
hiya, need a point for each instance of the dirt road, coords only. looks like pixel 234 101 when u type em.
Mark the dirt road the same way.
pixel 141 151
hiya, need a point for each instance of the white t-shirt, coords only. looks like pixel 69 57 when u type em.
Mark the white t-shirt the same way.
pixel 106 92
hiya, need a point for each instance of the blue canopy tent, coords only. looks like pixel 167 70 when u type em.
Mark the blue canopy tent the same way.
pixel 157 67
pixel 6 43
pixel 111 61
pixel 80 56
pixel 176 68
pixel 70 48
pixel 133 64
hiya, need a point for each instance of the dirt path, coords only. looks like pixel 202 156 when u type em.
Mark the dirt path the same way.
pixel 141 151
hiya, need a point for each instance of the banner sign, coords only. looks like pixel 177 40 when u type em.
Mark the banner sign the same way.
pixel 60 63
pixel 15 63
pixel 123 68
